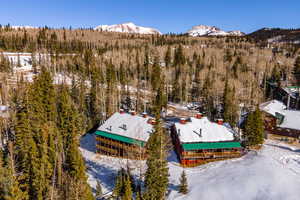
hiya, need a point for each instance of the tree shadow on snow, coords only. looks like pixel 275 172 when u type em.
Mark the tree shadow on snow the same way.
pixel 173 157
pixel 87 142
pixel 284 147
pixel 104 174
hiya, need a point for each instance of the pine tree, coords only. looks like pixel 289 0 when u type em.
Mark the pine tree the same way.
pixel 127 189
pixel 19 61
pixel 297 69
pixel 156 177
pixel 2 177
pixel 118 185
pixel 254 130
pixel 131 178
pixel 297 65
pixel 138 196
pixel 75 166
pixel 12 188
pixel 168 57
pixel 34 63
pixel 230 105
pixel 156 74
pixel 99 192
pixel 183 187
pixel 23 141
pixel 94 94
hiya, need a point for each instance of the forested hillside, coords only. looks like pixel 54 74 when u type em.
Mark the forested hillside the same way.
pixel 103 71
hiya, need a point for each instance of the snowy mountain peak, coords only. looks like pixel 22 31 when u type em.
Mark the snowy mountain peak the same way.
pixel 23 27
pixel 236 33
pixel 129 24
pixel 127 27
pixel 203 30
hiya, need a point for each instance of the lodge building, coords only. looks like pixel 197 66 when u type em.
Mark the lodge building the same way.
pixel 124 135
pixel 198 141
pixel 278 120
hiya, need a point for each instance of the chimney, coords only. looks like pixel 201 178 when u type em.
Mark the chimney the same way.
pixel 133 112
pixel 144 114
pixel 121 111
pixel 182 121
pixel 220 121
pixel 199 115
pixel 151 121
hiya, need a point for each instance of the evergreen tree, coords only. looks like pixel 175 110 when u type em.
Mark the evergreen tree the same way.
pixel 179 58
pixel 183 187
pixel 12 188
pixel 127 189
pixel 168 57
pixel 34 63
pixel 254 129
pixel 156 74
pixel 297 69
pixel 230 105
pixel 99 192
pixel 275 75
pixel 2 177
pixel 156 177
pixel 23 142
pixel 94 95
pixel 75 166
pixel 297 65
pixel 120 183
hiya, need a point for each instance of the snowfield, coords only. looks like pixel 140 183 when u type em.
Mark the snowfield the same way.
pixel 272 173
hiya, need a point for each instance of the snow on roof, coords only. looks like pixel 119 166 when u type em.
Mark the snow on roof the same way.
pixel 271 107
pixel 3 108
pixel 125 124
pixel 291 91
pixel 291 120
pixel 210 131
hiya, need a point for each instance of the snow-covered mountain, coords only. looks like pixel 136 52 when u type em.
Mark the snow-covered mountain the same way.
pixel 236 33
pixel 127 28
pixel 203 30
pixel 23 27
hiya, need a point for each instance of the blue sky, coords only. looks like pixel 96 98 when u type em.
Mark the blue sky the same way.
pixel 166 15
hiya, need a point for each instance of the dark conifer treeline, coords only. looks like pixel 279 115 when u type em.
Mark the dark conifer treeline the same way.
pixel 43 159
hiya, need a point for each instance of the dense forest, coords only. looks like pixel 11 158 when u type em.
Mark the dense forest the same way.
pixel 39 155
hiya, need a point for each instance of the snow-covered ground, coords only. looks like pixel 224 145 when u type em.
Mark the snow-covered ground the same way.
pixel 272 173
pixel 26 69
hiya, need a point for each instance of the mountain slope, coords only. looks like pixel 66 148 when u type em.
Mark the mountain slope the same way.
pixel 127 28
pixel 276 35
pixel 203 30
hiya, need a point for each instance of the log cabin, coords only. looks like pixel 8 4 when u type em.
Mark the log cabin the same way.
pixel 198 141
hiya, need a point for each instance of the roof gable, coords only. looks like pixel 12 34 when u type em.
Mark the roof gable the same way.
pixel 210 131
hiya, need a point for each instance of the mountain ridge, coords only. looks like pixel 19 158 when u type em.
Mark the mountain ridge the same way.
pixel 204 30
pixel 127 27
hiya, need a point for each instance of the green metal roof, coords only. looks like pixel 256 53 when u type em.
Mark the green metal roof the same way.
pixel 120 138
pixel 210 145
pixel 295 87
